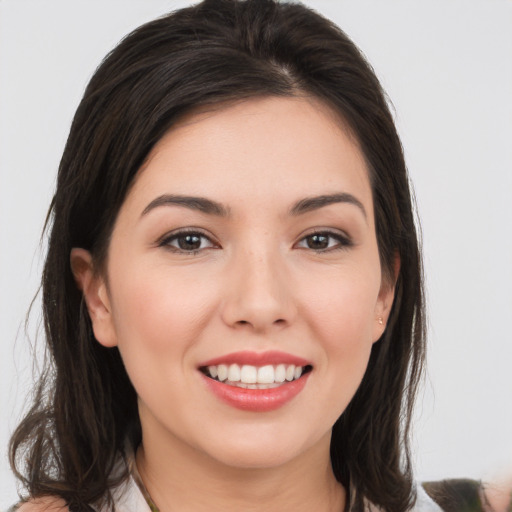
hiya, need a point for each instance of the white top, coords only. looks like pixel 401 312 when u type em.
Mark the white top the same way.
pixel 129 498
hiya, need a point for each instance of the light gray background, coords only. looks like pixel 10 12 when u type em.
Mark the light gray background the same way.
pixel 447 66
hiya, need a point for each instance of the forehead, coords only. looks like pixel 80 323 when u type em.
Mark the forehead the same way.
pixel 265 151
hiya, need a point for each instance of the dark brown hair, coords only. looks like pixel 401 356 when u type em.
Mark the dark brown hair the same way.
pixel 218 51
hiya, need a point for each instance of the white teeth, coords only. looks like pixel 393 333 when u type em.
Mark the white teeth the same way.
pixel 254 377
pixel 280 373
pixel 234 373
pixel 222 372
pixel 266 374
pixel 249 374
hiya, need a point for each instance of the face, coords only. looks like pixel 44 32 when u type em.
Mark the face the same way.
pixel 243 286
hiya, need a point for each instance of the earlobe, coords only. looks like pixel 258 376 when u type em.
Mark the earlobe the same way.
pixel 95 294
pixel 385 300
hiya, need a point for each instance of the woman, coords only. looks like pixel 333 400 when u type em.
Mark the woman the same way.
pixel 232 292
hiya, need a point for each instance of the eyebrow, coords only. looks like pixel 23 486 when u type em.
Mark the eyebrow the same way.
pixel 316 202
pixel 211 207
pixel 194 203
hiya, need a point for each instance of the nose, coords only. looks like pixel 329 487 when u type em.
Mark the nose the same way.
pixel 258 293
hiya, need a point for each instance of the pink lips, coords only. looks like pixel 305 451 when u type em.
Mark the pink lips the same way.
pixel 257 359
pixel 256 400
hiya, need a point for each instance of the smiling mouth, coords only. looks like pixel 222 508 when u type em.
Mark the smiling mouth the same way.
pixel 255 377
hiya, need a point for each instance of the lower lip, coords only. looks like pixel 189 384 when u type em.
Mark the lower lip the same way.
pixel 257 400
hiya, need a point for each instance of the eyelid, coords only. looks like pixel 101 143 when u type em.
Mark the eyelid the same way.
pixel 165 240
pixel 344 240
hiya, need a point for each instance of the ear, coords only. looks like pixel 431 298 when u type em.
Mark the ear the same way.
pixel 96 297
pixel 385 300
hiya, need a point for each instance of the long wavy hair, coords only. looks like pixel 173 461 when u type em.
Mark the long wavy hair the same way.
pixel 215 52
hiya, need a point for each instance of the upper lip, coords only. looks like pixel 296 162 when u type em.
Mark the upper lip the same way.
pixel 257 359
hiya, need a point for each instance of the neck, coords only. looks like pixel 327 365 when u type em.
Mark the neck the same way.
pixel 179 479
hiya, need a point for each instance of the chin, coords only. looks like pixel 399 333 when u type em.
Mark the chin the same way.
pixel 266 450
pixel 255 457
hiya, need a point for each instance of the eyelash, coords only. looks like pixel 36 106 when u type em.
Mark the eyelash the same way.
pixel 166 241
pixel 342 241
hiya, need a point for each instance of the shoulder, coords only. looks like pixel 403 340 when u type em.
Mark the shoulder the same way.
pixel 44 504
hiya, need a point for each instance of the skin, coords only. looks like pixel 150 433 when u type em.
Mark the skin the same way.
pixel 499 495
pixel 256 282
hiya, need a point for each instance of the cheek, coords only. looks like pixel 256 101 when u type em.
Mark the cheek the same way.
pixel 160 309
pixel 159 319
pixel 342 322
pixel 341 317
pixel 342 305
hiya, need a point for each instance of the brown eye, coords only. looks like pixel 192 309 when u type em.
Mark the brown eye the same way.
pixel 317 242
pixel 187 242
pixel 324 241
